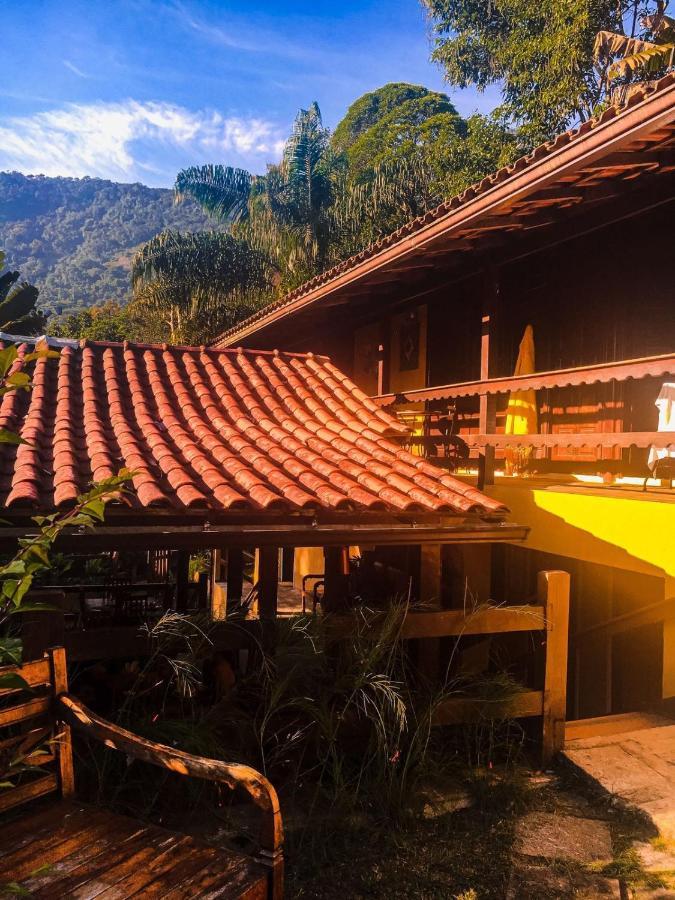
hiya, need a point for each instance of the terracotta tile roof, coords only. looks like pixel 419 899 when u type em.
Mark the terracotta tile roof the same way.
pixel 213 429
pixel 543 153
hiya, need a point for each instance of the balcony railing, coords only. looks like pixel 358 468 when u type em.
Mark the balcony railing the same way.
pixel 486 437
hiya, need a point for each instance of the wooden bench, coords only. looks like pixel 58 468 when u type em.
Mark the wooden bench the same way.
pixel 60 847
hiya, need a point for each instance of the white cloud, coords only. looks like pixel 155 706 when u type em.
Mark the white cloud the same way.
pixel 129 140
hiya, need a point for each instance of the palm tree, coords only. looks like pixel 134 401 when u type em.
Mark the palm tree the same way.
pixel 284 213
pixel 197 285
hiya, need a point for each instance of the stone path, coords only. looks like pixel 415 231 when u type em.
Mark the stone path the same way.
pixel 637 768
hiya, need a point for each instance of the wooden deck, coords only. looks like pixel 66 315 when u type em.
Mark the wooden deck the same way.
pixel 631 757
pixel 71 850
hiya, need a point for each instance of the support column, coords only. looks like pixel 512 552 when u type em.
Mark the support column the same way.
pixel 336 577
pixel 430 591
pixel 268 582
pixel 553 590
pixel 487 412
pixel 383 359
pixel 235 575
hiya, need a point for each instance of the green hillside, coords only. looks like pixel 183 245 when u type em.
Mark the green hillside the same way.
pixel 74 237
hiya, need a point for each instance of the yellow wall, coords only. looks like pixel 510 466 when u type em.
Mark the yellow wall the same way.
pixel 308 561
pixel 627 532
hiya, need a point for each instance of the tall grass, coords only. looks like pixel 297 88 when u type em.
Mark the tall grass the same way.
pixel 335 723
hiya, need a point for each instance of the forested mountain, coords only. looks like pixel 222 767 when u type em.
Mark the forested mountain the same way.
pixel 74 237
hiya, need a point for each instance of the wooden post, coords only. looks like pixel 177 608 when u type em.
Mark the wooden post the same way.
pixel 336 573
pixel 429 649
pixel 383 358
pixel 380 369
pixel 182 580
pixel 235 575
pixel 487 411
pixel 553 589
pixel 59 675
pixel 268 582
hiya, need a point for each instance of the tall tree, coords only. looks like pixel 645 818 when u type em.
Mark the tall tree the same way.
pixel 540 52
pixel 406 150
pixel 284 213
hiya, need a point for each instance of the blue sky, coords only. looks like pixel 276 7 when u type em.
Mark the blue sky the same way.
pixel 133 90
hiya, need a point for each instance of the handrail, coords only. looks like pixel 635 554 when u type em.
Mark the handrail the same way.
pixel 234 775
pixel 659 439
pixel 621 370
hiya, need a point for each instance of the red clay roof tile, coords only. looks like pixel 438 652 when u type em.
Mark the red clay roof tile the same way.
pixel 215 429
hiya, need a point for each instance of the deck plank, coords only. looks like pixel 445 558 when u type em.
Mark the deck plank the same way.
pixel 225 877
pixel 93 854
pixel 51 850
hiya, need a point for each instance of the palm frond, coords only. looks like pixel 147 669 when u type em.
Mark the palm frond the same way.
pixel 221 191
pixel 199 283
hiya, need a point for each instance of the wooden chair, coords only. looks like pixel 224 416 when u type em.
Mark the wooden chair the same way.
pixel 60 847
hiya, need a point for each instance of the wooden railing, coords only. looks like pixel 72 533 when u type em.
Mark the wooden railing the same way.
pixel 550 614
pixel 486 440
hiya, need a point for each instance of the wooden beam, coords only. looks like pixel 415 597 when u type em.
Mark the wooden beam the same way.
pixel 33 673
pixel 282 535
pixel 30 791
pixel 465 710
pixel 457 622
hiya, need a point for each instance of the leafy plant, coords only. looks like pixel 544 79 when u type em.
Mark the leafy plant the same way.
pixel 18 312
pixel 539 53
pixel 624 56
pixel 32 556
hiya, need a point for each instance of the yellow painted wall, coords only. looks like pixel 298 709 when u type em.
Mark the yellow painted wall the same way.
pixel 627 532
pixel 308 561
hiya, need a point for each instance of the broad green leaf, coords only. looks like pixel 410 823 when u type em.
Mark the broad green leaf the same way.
pixel 11 651
pixel 34 607
pixel 10 437
pixel 18 379
pixel 7 357
pixel 13 681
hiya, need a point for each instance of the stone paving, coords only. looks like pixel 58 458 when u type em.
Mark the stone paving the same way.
pixel 637 768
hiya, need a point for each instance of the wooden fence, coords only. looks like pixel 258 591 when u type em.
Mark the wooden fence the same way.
pixel 550 615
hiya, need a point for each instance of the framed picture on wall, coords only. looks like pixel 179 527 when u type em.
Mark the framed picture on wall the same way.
pixel 410 343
